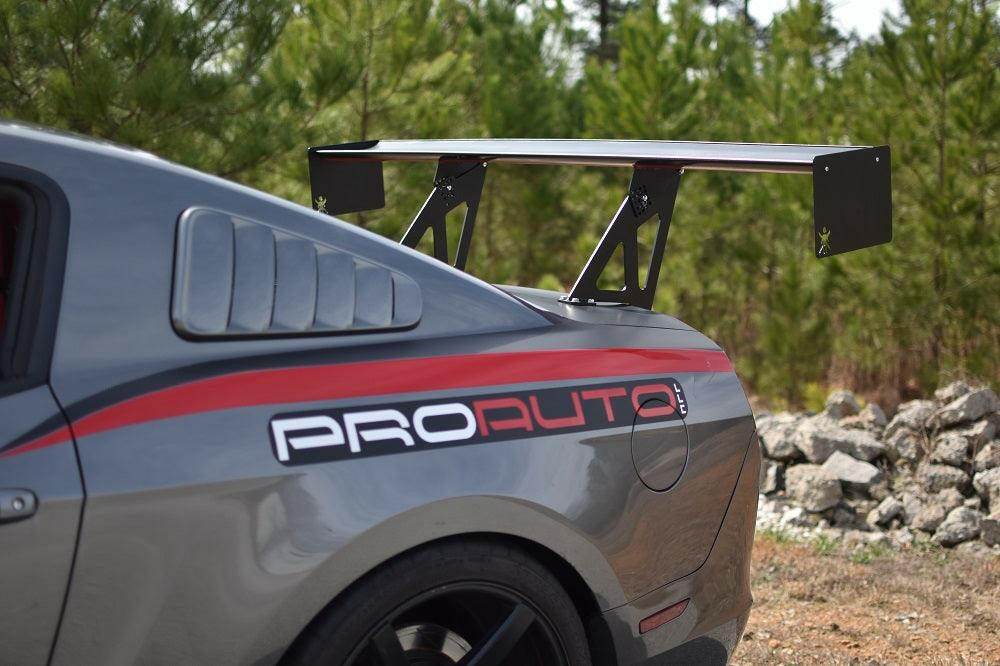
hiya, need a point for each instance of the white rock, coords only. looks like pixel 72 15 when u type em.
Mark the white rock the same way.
pixel 795 516
pixel 820 436
pixel 938 477
pixel 974 548
pixel 987 484
pixel 770 476
pixel 840 404
pixel 877 538
pixel 855 538
pixel 862 445
pixel 912 415
pixel 874 415
pixel 978 434
pixel 952 391
pixel 949 498
pixel 850 470
pixel 933 511
pixel 902 537
pixel 907 445
pixel 969 407
pixel 861 506
pixel 988 457
pixel 950 448
pixel 871 418
pixel 812 487
pixel 989 529
pixel 928 518
pixel 911 506
pixel 888 509
pixel 777 435
pixel 765 511
pixel 878 490
pixel 962 524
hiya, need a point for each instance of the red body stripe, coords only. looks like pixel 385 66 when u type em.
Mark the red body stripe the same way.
pixel 370 378
pixel 57 436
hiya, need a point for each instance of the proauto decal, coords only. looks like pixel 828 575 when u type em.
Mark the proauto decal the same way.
pixel 341 434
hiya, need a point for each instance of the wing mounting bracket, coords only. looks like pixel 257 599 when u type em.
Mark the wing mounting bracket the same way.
pixel 651 192
pixel 457 181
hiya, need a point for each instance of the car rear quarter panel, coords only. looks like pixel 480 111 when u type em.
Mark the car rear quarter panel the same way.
pixel 195 537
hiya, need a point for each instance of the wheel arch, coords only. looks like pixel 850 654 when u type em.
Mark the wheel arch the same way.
pixel 582 596
pixel 580 568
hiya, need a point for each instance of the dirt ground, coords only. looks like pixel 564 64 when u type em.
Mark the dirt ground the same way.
pixel 822 604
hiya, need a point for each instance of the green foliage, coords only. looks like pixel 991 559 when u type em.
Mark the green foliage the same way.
pixel 649 92
pixel 188 80
pixel 240 87
pixel 934 292
pixel 777 535
pixel 824 545
pixel 814 395
pixel 866 553
pixel 389 66
pixel 925 547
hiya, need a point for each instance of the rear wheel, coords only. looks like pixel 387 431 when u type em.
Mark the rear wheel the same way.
pixel 473 603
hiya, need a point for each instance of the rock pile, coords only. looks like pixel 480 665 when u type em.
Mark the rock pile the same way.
pixel 932 472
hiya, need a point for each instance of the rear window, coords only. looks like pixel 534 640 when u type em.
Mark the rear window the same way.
pixel 34 220
pixel 9 218
pixel 18 225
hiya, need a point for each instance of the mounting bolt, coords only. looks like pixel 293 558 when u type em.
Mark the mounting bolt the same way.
pixel 18 504
pixel 826 168
pixel 645 198
pixel 448 187
pixel 484 163
pixel 876 158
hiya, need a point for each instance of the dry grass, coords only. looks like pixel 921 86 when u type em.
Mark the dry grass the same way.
pixel 816 604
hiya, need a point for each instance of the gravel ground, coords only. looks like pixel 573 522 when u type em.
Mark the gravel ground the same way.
pixel 822 603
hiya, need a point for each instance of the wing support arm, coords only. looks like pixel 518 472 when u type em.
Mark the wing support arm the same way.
pixel 651 193
pixel 456 182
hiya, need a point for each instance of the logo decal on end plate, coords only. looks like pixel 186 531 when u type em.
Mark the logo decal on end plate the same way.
pixel 824 242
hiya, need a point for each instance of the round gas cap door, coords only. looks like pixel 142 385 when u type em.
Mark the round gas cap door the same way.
pixel 659 450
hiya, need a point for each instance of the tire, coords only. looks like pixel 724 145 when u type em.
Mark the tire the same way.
pixel 475 602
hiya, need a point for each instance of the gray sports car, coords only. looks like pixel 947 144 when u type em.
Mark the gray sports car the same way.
pixel 234 430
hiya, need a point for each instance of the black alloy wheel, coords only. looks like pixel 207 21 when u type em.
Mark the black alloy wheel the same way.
pixel 465 603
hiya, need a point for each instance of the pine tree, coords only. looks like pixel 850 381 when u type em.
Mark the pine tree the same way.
pixel 406 79
pixel 650 93
pixel 606 14
pixel 521 89
pixel 929 85
pixel 185 80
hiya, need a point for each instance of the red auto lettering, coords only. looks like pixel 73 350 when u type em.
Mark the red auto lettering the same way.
pixel 605 395
pixel 562 422
pixel 648 389
pixel 481 406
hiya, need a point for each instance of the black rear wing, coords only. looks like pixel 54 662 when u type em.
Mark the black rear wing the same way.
pixel 852 201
